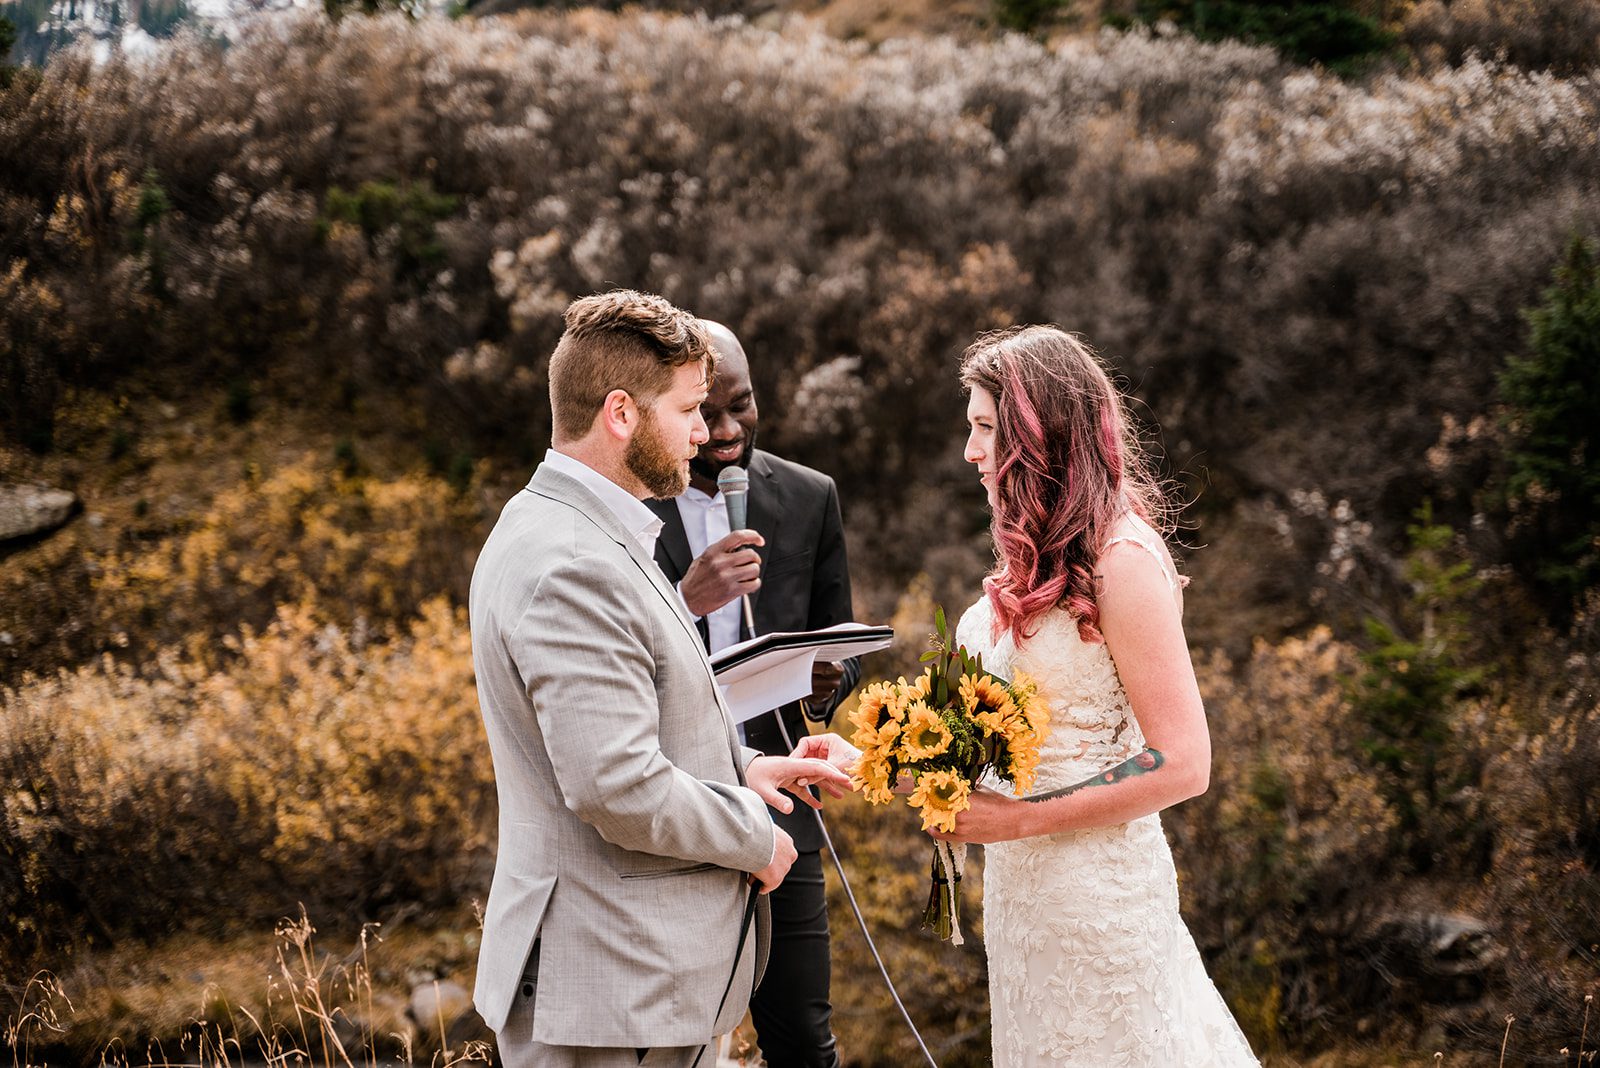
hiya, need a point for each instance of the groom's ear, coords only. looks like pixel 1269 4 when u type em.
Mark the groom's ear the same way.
pixel 619 415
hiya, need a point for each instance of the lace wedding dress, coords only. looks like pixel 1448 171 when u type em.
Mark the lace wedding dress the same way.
pixel 1090 965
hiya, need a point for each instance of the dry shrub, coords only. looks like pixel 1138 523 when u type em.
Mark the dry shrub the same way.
pixel 944 987
pixel 1305 278
pixel 274 994
pixel 1542 796
pixel 1559 35
pixel 365 550
pixel 1287 266
pixel 1276 857
pixel 315 766
pixel 1296 878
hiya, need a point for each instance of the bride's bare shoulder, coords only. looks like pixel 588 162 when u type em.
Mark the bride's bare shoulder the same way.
pixel 1132 547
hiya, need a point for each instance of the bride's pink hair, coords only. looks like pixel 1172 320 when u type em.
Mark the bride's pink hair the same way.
pixel 1067 467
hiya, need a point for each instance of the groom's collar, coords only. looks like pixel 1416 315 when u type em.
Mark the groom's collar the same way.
pixel 628 512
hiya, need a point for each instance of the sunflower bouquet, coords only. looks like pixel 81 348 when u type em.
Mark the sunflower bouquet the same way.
pixel 944 732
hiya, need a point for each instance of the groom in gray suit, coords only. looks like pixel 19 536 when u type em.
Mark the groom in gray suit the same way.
pixel 633 829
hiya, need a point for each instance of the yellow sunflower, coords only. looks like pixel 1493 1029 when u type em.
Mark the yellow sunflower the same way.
pixel 868 711
pixel 871 777
pixel 1022 743
pixel 941 795
pixel 926 734
pixel 1033 705
pixel 1024 765
pixel 1017 727
pixel 870 704
pixel 904 695
pixel 986 702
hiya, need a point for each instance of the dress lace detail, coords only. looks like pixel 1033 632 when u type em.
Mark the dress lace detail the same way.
pixel 1090 963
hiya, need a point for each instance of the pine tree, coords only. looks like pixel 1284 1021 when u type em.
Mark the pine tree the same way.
pixel 8 37
pixel 1333 33
pixel 1552 398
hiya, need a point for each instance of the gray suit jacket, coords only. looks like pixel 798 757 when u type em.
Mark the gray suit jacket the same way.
pixel 625 829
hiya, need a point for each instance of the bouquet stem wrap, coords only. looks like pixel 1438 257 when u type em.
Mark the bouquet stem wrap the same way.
pixel 943 913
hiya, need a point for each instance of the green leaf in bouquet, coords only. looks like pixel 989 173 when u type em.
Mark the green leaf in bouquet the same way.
pixel 939 620
pixel 931 654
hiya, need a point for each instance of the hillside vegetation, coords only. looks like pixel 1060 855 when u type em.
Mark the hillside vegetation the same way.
pixel 280 313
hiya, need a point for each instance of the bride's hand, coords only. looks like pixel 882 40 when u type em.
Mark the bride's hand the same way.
pixel 993 817
pixel 830 747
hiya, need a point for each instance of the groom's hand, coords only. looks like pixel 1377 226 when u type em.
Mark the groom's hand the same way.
pixel 783 855
pixel 728 568
pixel 768 775
pixel 830 747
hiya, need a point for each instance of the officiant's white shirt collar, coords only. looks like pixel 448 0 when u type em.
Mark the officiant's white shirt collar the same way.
pixel 628 510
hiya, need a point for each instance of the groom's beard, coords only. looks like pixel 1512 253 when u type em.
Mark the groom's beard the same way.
pixel 650 461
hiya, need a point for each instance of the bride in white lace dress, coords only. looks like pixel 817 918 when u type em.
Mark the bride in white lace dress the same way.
pixel 1090 963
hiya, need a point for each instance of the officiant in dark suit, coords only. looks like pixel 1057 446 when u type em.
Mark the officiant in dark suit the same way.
pixel 791 564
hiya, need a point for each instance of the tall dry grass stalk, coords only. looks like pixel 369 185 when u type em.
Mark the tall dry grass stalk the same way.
pixel 1583 1034
pixel 38 1016
pixel 316 1012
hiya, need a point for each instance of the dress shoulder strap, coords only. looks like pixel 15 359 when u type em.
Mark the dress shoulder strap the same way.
pixel 1161 561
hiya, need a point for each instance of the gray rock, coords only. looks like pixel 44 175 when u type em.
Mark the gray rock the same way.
pixel 1450 956
pixel 28 510
pixel 431 1001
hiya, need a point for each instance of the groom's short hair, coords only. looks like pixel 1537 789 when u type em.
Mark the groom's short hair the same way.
pixel 620 340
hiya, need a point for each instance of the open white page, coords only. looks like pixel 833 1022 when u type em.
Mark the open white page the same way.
pixel 781 671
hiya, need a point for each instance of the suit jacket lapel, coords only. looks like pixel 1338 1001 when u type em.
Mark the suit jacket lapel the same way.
pixel 674 540
pixel 766 509
pixel 553 484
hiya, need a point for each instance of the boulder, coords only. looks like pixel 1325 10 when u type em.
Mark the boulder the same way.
pixel 27 511
pixel 1445 956
pixel 444 999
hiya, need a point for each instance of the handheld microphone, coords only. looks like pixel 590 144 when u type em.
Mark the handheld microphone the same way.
pixel 735 486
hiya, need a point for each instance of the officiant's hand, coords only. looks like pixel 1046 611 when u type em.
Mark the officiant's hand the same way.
pixel 830 747
pixel 768 775
pixel 729 568
pixel 825 679
pixel 783 855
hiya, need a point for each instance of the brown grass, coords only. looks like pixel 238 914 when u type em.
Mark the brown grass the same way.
pixel 275 996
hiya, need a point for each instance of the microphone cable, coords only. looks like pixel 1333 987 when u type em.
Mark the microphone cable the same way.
pixel 861 920
pixel 733 482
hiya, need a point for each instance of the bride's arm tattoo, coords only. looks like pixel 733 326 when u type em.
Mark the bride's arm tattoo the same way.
pixel 1142 763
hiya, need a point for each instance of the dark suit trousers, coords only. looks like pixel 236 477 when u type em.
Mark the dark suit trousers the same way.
pixel 794 1021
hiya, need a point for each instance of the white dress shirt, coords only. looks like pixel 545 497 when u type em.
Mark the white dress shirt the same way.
pixel 627 509
pixel 705 521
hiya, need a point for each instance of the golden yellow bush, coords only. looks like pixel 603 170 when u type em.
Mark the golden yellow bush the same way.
pixel 359 550
pixel 311 765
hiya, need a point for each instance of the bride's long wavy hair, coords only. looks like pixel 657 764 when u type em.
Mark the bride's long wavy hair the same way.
pixel 1068 465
